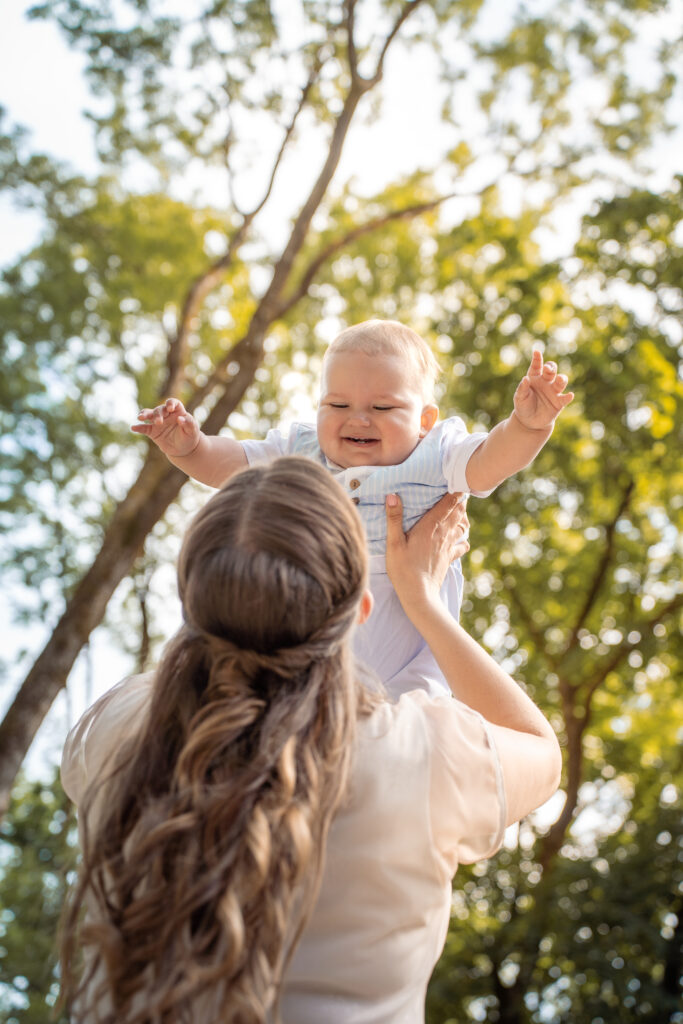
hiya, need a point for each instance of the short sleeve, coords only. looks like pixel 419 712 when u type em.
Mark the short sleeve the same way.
pixel 275 444
pixel 457 448
pixel 99 733
pixel 467 797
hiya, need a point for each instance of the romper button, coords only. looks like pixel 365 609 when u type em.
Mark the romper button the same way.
pixel 354 484
pixel 356 501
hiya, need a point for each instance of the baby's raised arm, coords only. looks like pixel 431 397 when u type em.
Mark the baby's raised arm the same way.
pixel 539 399
pixel 211 460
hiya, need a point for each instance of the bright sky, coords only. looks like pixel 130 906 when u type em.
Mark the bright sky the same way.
pixel 42 88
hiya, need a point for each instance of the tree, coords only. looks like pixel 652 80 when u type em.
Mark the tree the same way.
pixel 579 592
pixel 543 928
pixel 573 577
pixel 231 371
pixel 173 91
pixel 38 843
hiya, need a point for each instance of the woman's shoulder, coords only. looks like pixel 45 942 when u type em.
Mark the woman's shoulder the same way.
pixel 407 728
pixel 446 747
pixel 420 709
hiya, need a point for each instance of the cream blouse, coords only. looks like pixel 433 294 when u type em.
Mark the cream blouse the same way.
pixel 426 794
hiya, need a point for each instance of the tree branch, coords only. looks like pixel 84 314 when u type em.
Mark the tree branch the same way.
pixel 553 839
pixel 352 236
pixel 602 567
pixel 534 632
pixel 200 288
pixel 270 302
pixel 289 131
pixel 209 279
pixel 403 16
pixel 576 727
pixel 350 9
pixel 239 349
pixel 625 649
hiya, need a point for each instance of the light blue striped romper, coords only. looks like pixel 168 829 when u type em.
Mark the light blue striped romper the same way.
pixel 388 642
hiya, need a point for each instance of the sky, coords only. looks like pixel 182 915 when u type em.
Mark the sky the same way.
pixel 32 56
pixel 42 87
pixel 54 114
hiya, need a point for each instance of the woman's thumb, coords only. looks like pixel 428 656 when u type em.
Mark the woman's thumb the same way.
pixel 394 510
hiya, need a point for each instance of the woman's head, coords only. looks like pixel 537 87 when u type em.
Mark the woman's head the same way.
pixel 275 560
pixel 204 846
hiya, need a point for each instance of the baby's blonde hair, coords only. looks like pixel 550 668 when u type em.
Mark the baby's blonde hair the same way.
pixel 379 337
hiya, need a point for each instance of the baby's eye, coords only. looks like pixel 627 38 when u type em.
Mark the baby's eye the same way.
pixel 384 408
pixel 338 405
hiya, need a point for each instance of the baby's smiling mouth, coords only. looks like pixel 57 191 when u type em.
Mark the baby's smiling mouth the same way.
pixel 361 440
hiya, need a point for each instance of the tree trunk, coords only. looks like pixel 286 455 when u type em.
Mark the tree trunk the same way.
pixel 159 482
pixel 157 485
pixel 511 1007
pixel 155 488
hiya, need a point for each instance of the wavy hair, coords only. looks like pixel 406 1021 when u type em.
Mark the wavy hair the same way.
pixel 203 858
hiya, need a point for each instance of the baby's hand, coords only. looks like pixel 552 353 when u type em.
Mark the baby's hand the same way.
pixel 171 427
pixel 540 396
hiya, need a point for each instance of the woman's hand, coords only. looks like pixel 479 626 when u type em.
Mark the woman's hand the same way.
pixel 417 562
pixel 528 751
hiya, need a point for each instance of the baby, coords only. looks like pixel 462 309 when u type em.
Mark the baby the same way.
pixel 377 431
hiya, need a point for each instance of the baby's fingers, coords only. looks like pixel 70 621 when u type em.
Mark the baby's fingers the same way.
pixel 558 385
pixel 536 364
pixel 147 422
pixel 155 415
pixel 172 405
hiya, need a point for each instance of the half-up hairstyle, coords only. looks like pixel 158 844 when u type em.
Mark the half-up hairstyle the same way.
pixel 203 860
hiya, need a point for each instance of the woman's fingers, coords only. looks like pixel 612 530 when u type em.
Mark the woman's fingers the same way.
pixel 420 558
pixel 394 510
pixel 448 518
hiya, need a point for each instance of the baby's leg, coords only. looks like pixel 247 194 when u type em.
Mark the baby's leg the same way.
pixel 389 643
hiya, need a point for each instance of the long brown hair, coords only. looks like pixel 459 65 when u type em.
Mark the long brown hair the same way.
pixel 201 869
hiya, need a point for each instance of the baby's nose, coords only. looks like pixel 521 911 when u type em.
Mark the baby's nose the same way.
pixel 359 416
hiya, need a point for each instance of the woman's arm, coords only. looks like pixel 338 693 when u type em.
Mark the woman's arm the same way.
pixel 527 746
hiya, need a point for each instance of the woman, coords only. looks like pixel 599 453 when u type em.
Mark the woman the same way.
pixel 262 832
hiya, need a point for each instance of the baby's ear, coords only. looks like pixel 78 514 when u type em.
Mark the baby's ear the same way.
pixel 430 414
pixel 367 603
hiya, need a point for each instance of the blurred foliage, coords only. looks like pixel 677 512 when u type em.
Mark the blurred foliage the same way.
pixel 574 573
pixel 597 939
pixel 575 584
pixel 38 851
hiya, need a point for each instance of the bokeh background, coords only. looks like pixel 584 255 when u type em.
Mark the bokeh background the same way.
pixel 196 196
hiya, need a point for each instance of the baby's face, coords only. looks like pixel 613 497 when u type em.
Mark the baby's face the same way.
pixel 372 412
